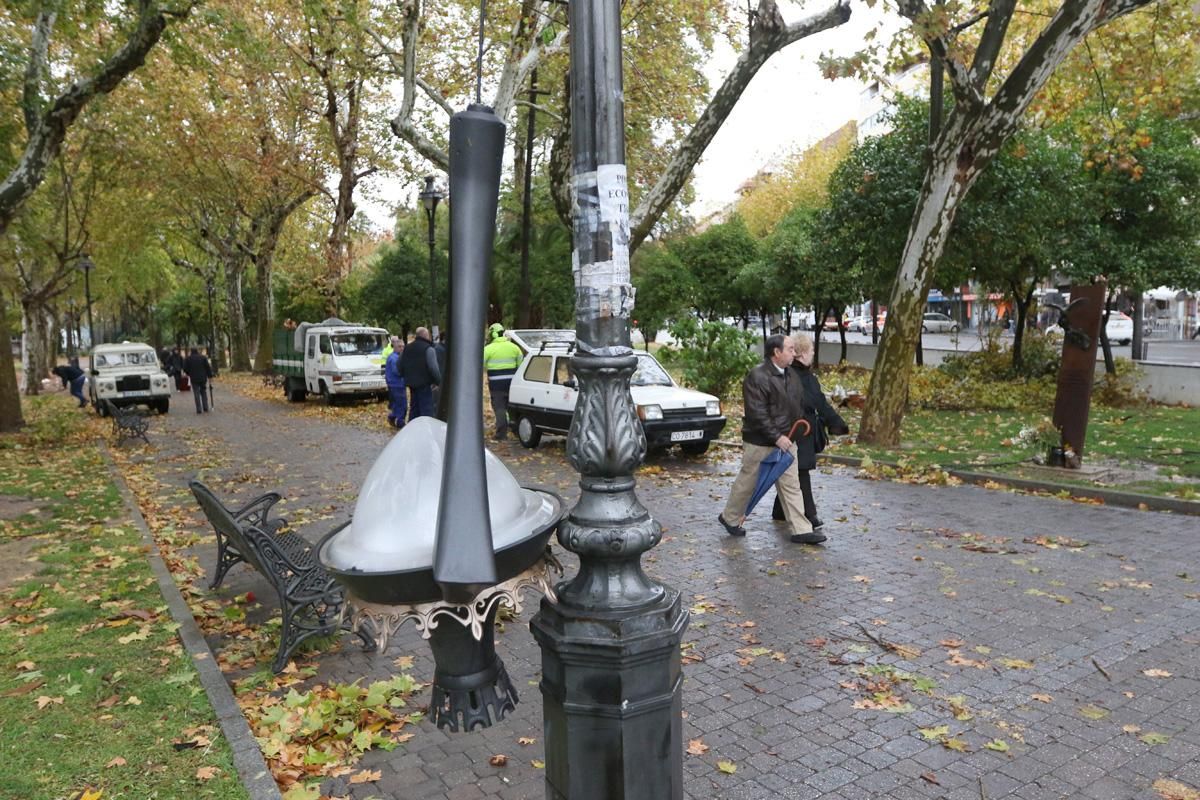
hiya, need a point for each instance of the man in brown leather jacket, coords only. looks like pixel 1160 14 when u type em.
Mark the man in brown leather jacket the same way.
pixel 773 401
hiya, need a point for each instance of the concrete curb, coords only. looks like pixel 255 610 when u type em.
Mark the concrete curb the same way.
pixel 1110 497
pixel 247 758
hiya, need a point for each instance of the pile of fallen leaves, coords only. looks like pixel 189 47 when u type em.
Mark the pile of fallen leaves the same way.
pixel 323 732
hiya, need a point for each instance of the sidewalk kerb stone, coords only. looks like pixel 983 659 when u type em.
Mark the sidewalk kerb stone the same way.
pixel 247 758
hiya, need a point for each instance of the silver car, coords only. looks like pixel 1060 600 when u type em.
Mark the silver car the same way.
pixel 938 323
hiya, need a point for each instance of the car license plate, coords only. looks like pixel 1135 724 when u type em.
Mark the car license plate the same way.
pixel 137 393
pixel 686 436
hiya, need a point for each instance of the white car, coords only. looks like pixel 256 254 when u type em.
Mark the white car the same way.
pixel 862 324
pixel 938 323
pixel 544 393
pixel 1119 329
pixel 127 374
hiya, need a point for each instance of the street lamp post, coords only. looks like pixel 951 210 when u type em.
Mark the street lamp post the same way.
pixel 87 266
pixel 212 326
pixel 611 674
pixel 430 197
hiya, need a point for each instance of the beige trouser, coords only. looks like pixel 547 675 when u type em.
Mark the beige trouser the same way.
pixel 788 488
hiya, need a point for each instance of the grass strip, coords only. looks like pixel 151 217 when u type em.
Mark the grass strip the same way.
pixel 98 698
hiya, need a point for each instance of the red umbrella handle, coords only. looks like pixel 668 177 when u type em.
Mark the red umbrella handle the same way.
pixel 798 423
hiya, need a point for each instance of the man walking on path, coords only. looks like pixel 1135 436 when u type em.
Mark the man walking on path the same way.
pixel 773 401
pixel 397 402
pixel 419 369
pixel 72 377
pixel 199 370
pixel 501 358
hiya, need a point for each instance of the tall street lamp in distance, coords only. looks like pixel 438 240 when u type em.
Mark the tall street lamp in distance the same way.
pixel 430 197
pixel 87 266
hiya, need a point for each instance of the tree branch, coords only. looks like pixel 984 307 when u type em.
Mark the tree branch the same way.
pixel 31 100
pixel 767 36
pixel 999 15
pixel 50 131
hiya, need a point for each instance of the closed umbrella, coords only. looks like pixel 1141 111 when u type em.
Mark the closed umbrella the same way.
pixel 773 466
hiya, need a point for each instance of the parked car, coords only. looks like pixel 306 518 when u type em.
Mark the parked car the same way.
pixel 1119 328
pixel 127 374
pixel 544 392
pixel 862 324
pixel 938 323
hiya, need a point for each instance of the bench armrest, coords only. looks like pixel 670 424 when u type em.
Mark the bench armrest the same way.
pixel 256 511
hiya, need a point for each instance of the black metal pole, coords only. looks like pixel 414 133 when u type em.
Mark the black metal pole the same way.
pixel 610 646
pixel 212 325
pixel 433 326
pixel 87 293
pixel 523 315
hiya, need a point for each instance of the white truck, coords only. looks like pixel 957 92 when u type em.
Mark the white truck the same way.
pixel 127 374
pixel 333 359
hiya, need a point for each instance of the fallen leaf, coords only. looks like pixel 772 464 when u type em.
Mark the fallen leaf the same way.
pixel 929 777
pixel 525 740
pixel 1152 738
pixel 957 745
pixel 1156 673
pixel 116 762
pixel 1016 663
pixel 498 760
pixel 538 764
pixel 208 773
pixel 999 745
pixel 728 767
pixel 1042 698
pixel 1174 790
pixel 366 776
pixel 1131 728
pixel 1093 712
pixel 934 733
pixel 91 794
pixel 44 701
pixel 696 747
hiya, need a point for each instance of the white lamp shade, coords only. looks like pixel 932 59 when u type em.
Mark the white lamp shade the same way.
pixel 395 520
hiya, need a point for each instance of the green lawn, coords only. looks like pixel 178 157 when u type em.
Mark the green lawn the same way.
pixel 98 699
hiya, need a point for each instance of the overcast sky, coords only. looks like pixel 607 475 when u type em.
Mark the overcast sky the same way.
pixel 788 105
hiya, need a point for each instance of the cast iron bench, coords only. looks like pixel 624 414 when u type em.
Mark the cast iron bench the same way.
pixel 128 424
pixel 309 598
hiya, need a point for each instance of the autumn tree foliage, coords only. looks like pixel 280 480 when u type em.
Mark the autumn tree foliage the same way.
pixel 994 73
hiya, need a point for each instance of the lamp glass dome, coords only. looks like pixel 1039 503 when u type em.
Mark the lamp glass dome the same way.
pixel 395 520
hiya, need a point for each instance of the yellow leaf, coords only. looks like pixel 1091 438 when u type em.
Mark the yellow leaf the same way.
pixel 525 740
pixel 133 701
pixel 538 764
pixel 1016 663
pixel 728 767
pixel 91 794
pixel 366 776
pixel 1093 712
pixel 958 745
pixel 1174 790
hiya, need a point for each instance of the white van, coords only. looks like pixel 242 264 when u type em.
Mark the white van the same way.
pixel 333 359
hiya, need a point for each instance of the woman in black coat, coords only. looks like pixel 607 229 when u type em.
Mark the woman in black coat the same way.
pixel 816 407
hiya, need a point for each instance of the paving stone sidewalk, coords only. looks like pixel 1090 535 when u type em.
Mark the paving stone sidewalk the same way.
pixel 947 642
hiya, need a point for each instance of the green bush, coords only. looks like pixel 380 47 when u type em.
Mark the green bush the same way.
pixel 1120 390
pixel 1040 356
pixel 934 388
pixel 713 356
pixel 50 421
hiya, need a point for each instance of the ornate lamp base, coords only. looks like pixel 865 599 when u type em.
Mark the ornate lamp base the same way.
pixel 471 688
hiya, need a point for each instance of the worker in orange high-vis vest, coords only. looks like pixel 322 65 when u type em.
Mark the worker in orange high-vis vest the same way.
pixel 501 357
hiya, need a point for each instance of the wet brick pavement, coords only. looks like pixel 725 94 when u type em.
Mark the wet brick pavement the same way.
pixel 812 670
